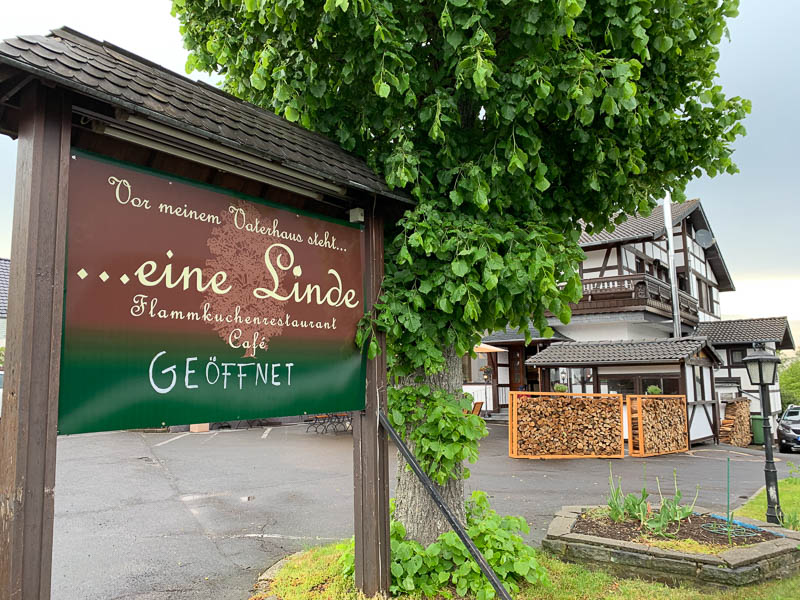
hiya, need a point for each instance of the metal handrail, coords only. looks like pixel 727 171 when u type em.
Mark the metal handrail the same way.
pixel 449 515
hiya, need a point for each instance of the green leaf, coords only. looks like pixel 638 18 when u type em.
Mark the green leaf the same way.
pixel 397 570
pixel 382 89
pixel 398 418
pixel 459 268
pixel 291 114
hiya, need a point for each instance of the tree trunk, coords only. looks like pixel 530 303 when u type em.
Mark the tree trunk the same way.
pixel 414 507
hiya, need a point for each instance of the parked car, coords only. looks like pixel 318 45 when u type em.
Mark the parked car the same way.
pixel 789 429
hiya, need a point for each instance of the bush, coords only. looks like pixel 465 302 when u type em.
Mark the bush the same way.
pixel 653 390
pixel 560 387
pixel 447 563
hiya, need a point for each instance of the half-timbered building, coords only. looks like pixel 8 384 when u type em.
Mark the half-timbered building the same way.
pixel 626 312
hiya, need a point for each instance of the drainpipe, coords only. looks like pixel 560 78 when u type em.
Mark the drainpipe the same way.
pixel 673 278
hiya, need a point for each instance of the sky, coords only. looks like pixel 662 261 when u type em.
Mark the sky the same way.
pixel 753 214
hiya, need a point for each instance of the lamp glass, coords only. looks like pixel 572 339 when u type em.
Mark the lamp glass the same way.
pixel 753 372
pixel 769 367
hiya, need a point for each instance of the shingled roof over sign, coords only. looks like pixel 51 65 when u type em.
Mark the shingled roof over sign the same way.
pixel 749 331
pixel 124 80
pixel 5 270
pixel 654 351
pixel 640 229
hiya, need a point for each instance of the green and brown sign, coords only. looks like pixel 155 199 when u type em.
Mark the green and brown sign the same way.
pixel 186 304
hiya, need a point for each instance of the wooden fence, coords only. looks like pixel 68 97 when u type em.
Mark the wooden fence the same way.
pixel 657 425
pixel 561 425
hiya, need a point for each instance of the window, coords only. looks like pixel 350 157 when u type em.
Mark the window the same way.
pixel 702 297
pixel 639 265
pixel 683 283
pixel 736 356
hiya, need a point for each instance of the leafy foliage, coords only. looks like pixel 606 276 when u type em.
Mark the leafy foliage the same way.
pixel 507 121
pixel 444 436
pixel 653 390
pixel 447 563
pixel 2 356
pixel 560 388
pixel 633 506
pixel 790 384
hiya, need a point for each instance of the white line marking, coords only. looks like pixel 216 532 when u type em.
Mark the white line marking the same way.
pixel 266 433
pixel 193 497
pixel 278 536
pixel 210 438
pixel 177 437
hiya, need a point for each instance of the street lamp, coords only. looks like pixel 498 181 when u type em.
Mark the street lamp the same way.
pixel 762 366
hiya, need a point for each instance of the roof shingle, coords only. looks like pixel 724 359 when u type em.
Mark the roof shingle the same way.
pixel 113 75
pixel 650 351
pixel 748 331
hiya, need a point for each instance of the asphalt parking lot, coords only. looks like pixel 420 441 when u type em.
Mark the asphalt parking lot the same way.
pixel 178 516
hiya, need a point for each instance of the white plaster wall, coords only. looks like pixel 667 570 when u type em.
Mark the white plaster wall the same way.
pixel 611 330
pixel 594 260
pixel 634 369
pixel 3 332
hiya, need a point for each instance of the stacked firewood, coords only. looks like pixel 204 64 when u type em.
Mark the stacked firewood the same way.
pixel 556 425
pixel 663 426
pixel 735 427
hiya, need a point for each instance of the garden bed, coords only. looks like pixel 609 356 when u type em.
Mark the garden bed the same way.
pixel 776 555
pixel 691 528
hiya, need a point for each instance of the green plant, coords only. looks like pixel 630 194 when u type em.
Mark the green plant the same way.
pixel 446 436
pixel 653 390
pixel 2 356
pixel 671 510
pixel 790 520
pixel 621 507
pixel 447 562
pixel 560 388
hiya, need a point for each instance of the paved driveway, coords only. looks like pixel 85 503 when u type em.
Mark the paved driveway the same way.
pixel 179 516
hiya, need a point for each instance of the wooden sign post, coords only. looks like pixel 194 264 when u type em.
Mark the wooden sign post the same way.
pixel 370 448
pixel 30 393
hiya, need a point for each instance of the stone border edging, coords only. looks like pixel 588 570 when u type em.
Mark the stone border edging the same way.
pixel 734 567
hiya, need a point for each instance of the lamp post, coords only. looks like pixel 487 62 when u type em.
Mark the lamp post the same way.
pixel 762 366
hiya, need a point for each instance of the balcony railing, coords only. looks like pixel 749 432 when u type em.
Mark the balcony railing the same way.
pixel 632 292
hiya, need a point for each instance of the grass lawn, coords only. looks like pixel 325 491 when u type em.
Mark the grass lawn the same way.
pixel 316 575
pixel 788 493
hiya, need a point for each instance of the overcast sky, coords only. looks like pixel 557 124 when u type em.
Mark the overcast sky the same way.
pixel 754 214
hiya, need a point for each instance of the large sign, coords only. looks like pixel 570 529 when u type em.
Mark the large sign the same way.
pixel 188 304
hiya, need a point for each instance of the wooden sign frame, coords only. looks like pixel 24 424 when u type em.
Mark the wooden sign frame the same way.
pixel 28 427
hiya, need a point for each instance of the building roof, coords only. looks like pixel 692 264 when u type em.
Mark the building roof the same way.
pixel 129 82
pixel 649 351
pixel 749 331
pixel 639 229
pixel 5 270
pixel 513 334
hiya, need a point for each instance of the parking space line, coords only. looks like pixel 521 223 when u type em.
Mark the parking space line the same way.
pixel 266 433
pixel 177 437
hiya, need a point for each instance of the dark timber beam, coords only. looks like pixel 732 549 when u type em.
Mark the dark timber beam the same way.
pixel 30 395
pixel 370 446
